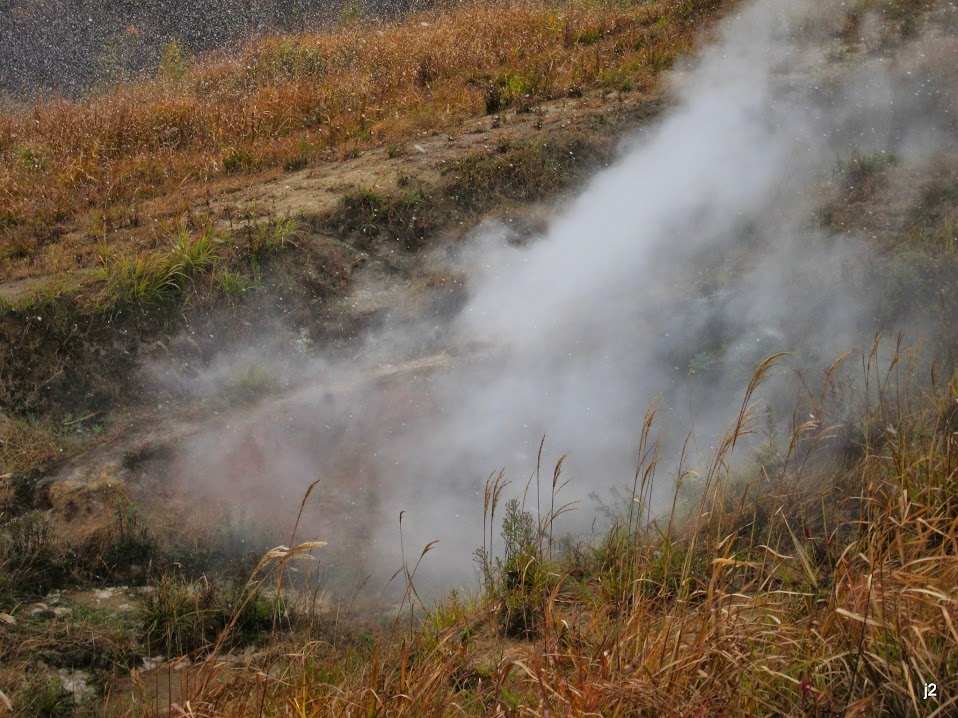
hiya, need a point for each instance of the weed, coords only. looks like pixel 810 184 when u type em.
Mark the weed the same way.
pixel 287 59
pixel 522 583
pixel 173 63
pixel 141 280
pixel 249 384
pixel 363 209
pixel 234 284
pixel 191 256
pixel 862 172
pixel 524 171
pixel 181 616
pixel 131 542
pixel 706 361
pixel 24 446
pixel 237 160
pixel 43 696
pixel 31 159
pixel 934 229
pixel 271 236
pixel 351 16
pixel 32 559
pixel 938 240
pixel 151 279
pixel 826 217
pixel 296 162
pixel 402 216
pixel 516 90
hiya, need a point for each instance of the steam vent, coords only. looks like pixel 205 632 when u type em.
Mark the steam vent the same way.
pixel 479 358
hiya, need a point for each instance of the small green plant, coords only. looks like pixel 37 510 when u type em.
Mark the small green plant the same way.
pixel 249 384
pixel 292 60
pixel 862 172
pixel 141 280
pixel 32 561
pixel 363 209
pixel 524 171
pixel 590 36
pixel 938 240
pixel 705 361
pixel 150 279
pixel 180 616
pixel 352 15
pixel 43 696
pixel 518 581
pixel 237 160
pixel 271 236
pixel 191 256
pixel 173 62
pixel 296 162
pixel 30 158
pixel 516 89
pixel 234 284
pixel 131 543
pixel 402 216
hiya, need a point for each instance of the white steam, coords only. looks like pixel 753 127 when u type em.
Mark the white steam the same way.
pixel 699 242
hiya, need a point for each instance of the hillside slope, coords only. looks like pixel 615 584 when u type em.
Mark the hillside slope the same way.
pixel 350 255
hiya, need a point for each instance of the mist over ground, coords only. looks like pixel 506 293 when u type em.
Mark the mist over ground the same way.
pixel 668 279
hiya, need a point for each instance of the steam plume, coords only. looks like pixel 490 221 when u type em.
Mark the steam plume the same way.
pixel 699 247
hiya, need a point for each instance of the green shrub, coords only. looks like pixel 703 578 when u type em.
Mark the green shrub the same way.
pixel 519 582
pixel 271 236
pixel 150 279
pixel 237 160
pixel 403 216
pixel 43 696
pixel 180 616
pixel 173 62
pixel 249 384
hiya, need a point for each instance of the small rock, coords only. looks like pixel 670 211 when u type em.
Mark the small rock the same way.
pixel 77 684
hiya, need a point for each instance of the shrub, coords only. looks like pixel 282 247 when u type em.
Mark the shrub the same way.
pixel 180 616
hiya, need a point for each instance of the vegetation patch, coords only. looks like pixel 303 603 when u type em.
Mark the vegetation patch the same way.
pixel 403 215
pixel 764 573
pixel 180 617
pixel 525 171
pixel 24 446
pixel 248 384
pixel 326 92
pixel 862 173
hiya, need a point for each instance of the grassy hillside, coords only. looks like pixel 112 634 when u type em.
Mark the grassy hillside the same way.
pixel 77 175
pixel 816 581
pixel 812 574
pixel 120 208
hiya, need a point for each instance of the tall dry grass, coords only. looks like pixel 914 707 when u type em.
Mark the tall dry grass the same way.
pixel 284 101
pixel 824 583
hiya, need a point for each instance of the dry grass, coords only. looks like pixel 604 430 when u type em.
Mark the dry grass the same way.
pixel 24 447
pixel 74 175
pixel 820 584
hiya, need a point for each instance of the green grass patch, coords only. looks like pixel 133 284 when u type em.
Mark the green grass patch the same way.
pixel 524 171
pixel 249 384
pixel 150 278
pixel 180 616
pixel 271 236
pixel 862 172
pixel 404 215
